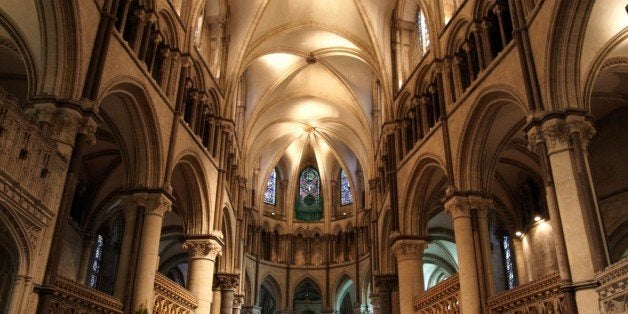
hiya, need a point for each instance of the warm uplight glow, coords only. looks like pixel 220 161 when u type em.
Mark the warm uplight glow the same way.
pixel 280 61
pixel 311 110
pixel 519 233
pixel 329 40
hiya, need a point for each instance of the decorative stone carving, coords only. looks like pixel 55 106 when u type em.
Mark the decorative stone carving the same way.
pixel 556 133
pixel 613 288
pixel 172 298
pixel 458 206
pixel 203 248
pixel 409 249
pixel 226 281
pixel 238 300
pixel 442 298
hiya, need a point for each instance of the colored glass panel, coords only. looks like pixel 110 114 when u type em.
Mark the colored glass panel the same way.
pixel 345 189
pixel 270 196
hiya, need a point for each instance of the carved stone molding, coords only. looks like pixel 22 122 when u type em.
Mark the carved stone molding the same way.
pixel 207 248
pixel 409 249
pixel 226 281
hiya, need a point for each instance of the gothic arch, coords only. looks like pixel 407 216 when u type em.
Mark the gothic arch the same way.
pixel 497 117
pixel 190 189
pixel 428 178
pixel 273 286
pixel 126 108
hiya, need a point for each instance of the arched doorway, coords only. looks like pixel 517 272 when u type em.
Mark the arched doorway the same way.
pixel 307 298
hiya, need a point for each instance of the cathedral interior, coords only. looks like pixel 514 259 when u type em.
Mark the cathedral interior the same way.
pixel 313 156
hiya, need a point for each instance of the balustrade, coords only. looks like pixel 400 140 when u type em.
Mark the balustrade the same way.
pixel 541 296
pixel 170 298
pixel 442 298
pixel 72 297
pixel 613 288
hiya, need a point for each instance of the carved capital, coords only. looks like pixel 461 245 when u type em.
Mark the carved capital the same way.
pixel 458 206
pixel 226 281
pixel 238 300
pixel 409 249
pixel 483 205
pixel 205 248
pixel 154 203
pixel 579 125
pixel 556 134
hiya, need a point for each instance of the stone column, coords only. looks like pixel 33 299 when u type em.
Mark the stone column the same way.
pixel 459 209
pixel 227 284
pixel 409 254
pixel 578 221
pixel 155 206
pixel 202 250
pixel 385 285
pixel 483 205
pixel 130 216
pixel 238 300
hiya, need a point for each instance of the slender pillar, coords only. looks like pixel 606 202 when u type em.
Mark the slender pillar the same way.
pixel 483 206
pixel 202 250
pixel 566 139
pixel 409 254
pixel 130 214
pixel 155 205
pixel 238 300
pixel 459 209
pixel 226 283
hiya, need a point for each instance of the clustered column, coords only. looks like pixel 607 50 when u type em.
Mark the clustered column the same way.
pixel 562 141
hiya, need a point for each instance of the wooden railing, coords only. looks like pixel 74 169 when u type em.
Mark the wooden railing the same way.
pixel 442 298
pixel 541 296
pixel 170 298
pixel 613 288
pixel 72 297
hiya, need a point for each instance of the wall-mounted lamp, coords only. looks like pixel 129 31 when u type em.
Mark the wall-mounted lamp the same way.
pixel 519 234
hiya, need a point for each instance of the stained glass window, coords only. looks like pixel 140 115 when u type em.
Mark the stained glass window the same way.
pixel 508 263
pixel 270 196
pixel 94 268
pixel 345 189
pixel 423 33
pixel 308 204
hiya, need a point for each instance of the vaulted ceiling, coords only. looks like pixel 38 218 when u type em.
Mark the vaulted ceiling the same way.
pixel 304 72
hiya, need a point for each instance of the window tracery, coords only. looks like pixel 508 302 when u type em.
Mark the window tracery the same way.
pixel 308 206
